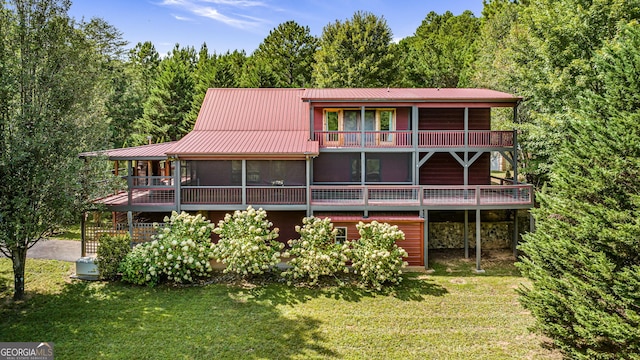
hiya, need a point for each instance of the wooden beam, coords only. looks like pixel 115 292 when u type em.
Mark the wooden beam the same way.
pixel 478 243
pixel 466 234
pixel 426 239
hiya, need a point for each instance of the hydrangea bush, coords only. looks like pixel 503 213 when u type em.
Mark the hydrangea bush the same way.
pixel 376 257
pixel 247 245
pixel 315 253
pixel 180 252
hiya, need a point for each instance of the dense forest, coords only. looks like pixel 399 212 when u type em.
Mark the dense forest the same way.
pixel 68 86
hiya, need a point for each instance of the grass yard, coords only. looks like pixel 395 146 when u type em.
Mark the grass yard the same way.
pixel 449 314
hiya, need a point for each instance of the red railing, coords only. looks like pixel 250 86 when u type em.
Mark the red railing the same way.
pixel 211 195
pixel 426 139
pixel 375 139
pixel 490 138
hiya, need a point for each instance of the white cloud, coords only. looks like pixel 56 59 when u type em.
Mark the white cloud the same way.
pixel 213 9
pixel 181 18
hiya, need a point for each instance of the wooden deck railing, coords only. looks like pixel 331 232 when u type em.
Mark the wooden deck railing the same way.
pixel 403 139
pixel 331 195
pixel 422 195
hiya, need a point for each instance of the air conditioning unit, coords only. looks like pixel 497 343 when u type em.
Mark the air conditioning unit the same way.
pixel 86 269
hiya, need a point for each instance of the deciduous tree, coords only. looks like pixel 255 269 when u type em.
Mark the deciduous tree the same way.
pixel 50 82
pixel 441 52
pixel 356 53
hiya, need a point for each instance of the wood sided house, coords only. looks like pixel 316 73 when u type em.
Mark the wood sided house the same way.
pixel 392 155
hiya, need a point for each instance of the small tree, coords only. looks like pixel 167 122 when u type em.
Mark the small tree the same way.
pixel 247 244
pixel 112 249
pixel 50 110
pixel 376 256
pixel 315 253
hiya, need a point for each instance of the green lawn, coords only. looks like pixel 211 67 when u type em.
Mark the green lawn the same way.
pixel 71 232
pixel 450 314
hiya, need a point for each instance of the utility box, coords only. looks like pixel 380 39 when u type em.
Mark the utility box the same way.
pixel 86 269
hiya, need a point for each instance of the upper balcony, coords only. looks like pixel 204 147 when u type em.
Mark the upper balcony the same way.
pixel 449 139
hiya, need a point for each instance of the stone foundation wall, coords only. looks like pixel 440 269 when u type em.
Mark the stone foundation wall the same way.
pixel 493 235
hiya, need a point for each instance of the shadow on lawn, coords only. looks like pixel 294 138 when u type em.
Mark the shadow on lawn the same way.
pixel 89 319
pixel 414 287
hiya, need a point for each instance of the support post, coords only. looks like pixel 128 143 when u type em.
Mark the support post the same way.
pixel 426 239
pixel 178 184
pixel 244 182
pixel 478 242
pixel 466 234
pixel 83 234
pixel 130 223
pixel 308 183
pixel 515 233
pixel 129 182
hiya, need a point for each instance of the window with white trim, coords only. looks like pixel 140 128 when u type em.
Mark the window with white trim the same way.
pixel 341 234
pixel 346 123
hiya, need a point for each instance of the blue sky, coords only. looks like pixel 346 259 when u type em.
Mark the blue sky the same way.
pixel 243 24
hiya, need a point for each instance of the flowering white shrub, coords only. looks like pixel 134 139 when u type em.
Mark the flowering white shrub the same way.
pixel 315 252
pixel 376 257
pixel 247 245
pixel 134 267
pixel 180 252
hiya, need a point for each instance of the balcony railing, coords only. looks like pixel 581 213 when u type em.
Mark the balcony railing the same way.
pixel 372 139
pixel 403 139
pixel 421 195
pixel 330 195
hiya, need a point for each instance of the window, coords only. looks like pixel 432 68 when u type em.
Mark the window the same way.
pixel 341 235
pixel 346 123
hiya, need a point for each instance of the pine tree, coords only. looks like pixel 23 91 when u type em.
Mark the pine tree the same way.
pixel 584 258
pixel 166 111
pixel 288 50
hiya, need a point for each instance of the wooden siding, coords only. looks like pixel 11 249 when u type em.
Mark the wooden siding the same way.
pixel 441 169
pixel 453 119
pixel 413 232
pixel 480 170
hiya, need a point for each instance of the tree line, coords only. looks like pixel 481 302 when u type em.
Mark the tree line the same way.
pixel 68 86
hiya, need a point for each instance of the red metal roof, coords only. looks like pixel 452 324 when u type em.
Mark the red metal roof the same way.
pixel 259 122
pixel 409 95
pixel 144 152
pixel 253 109
pixel 259 143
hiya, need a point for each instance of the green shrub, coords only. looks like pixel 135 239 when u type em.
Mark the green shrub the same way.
pixel 111 250
pixel 315 253
pixel 135 267
pixel 180 252
pixel 375 256
pixel 247 246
